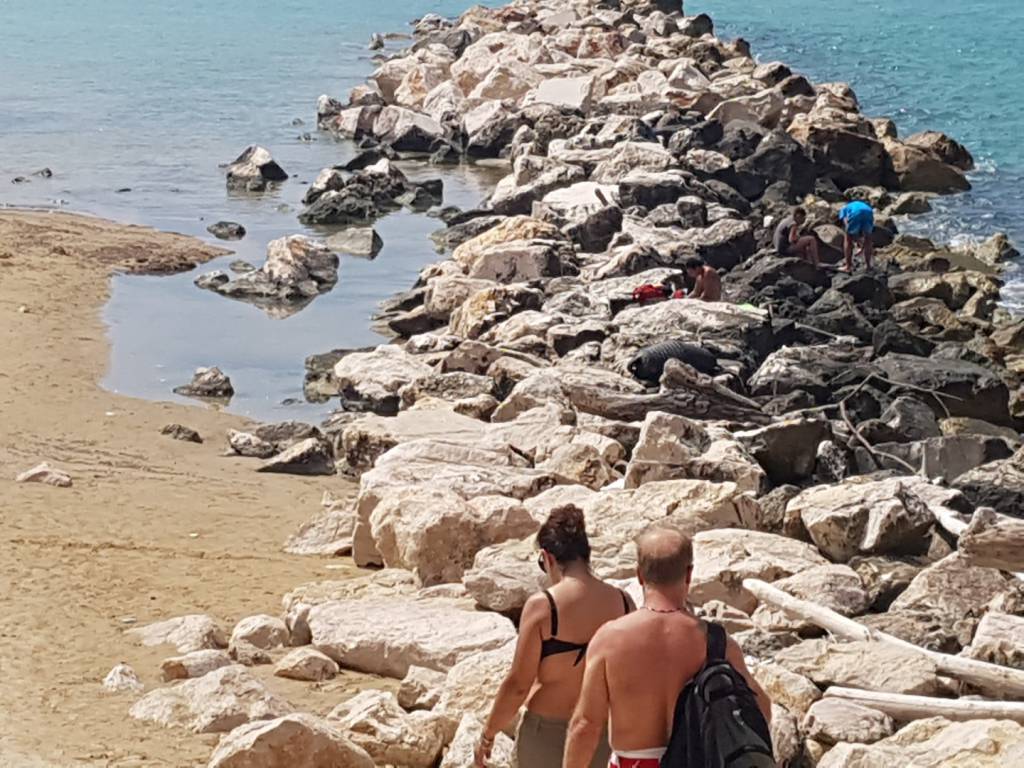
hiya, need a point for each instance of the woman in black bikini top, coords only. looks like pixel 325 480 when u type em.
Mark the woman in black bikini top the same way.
pixel 554 631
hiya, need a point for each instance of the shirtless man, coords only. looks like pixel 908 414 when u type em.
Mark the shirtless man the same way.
pixel 638 665
pixel 790 241
pixel 707 285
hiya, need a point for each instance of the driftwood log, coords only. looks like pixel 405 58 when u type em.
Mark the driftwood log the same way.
pixel 684 392
pixel 906 708
pixel 993 541
pixel 991 679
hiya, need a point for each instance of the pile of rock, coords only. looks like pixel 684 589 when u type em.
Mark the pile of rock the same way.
pixel 826 449
pixel 297 270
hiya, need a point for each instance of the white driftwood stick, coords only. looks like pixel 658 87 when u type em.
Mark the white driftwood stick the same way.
pixel 907 708
pixel 993 679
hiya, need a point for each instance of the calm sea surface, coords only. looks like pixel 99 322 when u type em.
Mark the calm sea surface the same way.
pixel 152 96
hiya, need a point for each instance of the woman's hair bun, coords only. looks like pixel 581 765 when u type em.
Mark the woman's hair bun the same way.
pixel 564 534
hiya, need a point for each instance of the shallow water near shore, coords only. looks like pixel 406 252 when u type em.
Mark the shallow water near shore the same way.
pixel 141 96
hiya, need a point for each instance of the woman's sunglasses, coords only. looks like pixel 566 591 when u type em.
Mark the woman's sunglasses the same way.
pixel 540 562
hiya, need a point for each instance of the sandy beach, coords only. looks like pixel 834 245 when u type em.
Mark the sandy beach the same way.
pixel 152 528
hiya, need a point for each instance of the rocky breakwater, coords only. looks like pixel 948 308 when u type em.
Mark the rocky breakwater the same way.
pixel 834 443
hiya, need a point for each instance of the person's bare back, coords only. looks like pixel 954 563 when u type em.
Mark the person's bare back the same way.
pixel 642 703
pixel 637 666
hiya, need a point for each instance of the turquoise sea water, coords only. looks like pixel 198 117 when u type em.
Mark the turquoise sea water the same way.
pixel 153 96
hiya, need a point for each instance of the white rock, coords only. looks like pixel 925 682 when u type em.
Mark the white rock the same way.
pixel 937 743
pixel 358 241
pixel 292 741
pixel 674 447
pixel 568 92
pixel 420 688
pixel 374 721
pixel 213 703
pixel 194 632
pixel 261 631
pixel 194 664
pixel 306 664
pixel 461 752
pixel 473 683
pixel 831 721
pixel 724 558
pixel 45 474
pixel 122 678
pixel 862 664
pixel 378 375
pixel 386 637
pixel 861 516
pixel 999 639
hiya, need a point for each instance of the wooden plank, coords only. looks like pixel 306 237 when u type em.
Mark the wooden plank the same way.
pixel 905 708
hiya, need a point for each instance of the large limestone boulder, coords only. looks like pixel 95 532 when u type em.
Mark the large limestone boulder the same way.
pixel 837 587
pixel 937 743
pixel 920 171
pixel 194 664
pixel 472 684
pixel 435 533
pixel 831 721
pixel 214 703
pixel 724 558
pixel 377 377
pixel 260 631
pixel 386 637
pixel 461 752
pixel 787 450
pixel 976 392
pixel 952 590
pixel 306 664
pixel 365 440
pixel 998 484
pixel 194 632
pixel 632 156
pixel 573 93
pixel 511 229
pixel 292 741
pixel 468 471
pixel 420 688
pixel 674 447
pixel 867 665
pixel 579 463
pixel 504 576
pixel 571 385
pixel 861 516
pixel 999 639
pixel 794 692
pixel 374 721
pixel 408 131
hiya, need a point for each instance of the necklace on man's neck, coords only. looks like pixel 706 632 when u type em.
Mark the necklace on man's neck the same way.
pixel 661 610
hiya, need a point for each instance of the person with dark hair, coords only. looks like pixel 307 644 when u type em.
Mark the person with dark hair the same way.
pixel 638 666
pixel 707 285
pixel 789 239
pixel 554 631
pixel 858 221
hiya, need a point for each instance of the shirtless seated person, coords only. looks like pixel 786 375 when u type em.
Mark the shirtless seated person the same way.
pixel 707 285
pixel 639 664
pixel 789 241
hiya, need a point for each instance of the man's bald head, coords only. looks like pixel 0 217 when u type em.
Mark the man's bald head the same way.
pixel 664 556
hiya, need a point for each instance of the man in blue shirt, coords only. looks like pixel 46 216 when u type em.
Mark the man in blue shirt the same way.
pixel 858 219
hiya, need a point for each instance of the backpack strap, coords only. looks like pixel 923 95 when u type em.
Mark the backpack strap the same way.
pixel 716 641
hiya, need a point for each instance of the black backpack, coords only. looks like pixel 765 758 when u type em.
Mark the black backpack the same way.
pixel 717 723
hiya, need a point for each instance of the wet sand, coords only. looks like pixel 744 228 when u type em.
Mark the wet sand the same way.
pixel 152 528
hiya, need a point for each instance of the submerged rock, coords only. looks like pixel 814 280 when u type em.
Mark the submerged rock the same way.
pixel 226 230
